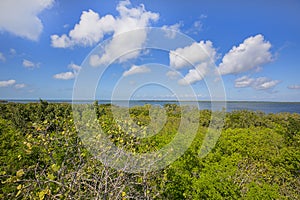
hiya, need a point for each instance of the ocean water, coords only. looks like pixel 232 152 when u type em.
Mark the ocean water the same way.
pixel 267 107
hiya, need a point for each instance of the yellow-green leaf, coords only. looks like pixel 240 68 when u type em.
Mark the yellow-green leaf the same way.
pixel 18 193
pixel 20 173
pixel 43 193
pixel 55 167
pixel 51 176
pixel 19 187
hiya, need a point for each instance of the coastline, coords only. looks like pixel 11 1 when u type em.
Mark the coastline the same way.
pixel 229 106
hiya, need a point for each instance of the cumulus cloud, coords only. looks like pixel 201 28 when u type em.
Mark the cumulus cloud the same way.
pixel 294 87
pixel 243 81
pixel 196 74
pixel 20 86
pixel 136 70
pixel 128 45
pixel 12 82
pixel 193 54
pixel 200 55
pixel 2 57
pixel 251 54
pixel 29 64
pixel 87 32
pixel 170 31
pixel 261 83
pixel 7 83
pixel 264 83
pixel 70 74
pixel 74 67
pixel 129 19
pixel 172 74
pixel 65 76
pixel 61 41
pixel 92 28
pixel 21 17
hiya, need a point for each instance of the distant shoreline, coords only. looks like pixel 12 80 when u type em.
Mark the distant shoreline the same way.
pixel 229 106
pixel 143 100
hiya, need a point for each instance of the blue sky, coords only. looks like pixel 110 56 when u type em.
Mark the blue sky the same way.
pixel 254 45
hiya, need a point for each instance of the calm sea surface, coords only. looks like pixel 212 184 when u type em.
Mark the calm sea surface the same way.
pixel 267 107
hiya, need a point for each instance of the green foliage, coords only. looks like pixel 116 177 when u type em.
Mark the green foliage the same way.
pixel 43 157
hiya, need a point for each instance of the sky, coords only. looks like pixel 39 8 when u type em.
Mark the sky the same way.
pixel 54 49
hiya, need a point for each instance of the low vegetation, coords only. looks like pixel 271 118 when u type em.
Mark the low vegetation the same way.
pixel 42 157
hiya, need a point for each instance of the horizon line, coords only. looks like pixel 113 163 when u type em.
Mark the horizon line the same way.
pixel 149 100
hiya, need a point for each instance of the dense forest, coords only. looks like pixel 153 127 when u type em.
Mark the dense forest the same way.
pixel 42 157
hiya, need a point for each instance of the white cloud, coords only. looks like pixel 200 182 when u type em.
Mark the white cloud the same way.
pixel 87 32
pixel 92 28
pixel 136 70
pixel 194 54
pixel 29 64
pixel 196 74
pixel 61 41
pixel 294 87
pixel 170 31
pixel 251 54
pixel 196 28
pixel 12 83
pixel 243 81
pixel 65 75
pixel 20 86
pixel 197 24
pixel 70 74
pixel 201 55
pixel 172 74
pixel 121 45
pixel 129 19
pixel 2 57
pixel 264 83
pixel 21 17
pixel 7 83
pixel 261 83
pixel 75 67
